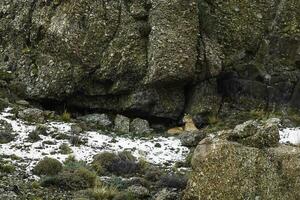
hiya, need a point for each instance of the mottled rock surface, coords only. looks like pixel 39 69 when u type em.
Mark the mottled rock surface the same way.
pixel 153 58
pixel 6 135
pixel 140 126
pixel 122 124
pixel 256 134
pixel 225 169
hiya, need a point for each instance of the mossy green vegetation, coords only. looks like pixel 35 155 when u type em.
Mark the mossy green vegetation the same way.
pixel 47 166
pixel 121 163
pixel 73 176
pixel 7 168
pixel 66 116
pixel 65 149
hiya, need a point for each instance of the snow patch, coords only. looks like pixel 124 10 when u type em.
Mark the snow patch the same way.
pixel 168 152
pixel 290 135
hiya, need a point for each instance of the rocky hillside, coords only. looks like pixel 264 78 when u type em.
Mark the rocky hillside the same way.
pixel 152 58
pixel 84 81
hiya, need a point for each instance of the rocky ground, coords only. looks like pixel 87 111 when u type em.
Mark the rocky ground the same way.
pixel 29 135
pixel 126 158
pixel 90 89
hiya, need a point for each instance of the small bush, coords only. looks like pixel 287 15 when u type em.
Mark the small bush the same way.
pixel 119 164
pixel 66 116
pixel 47 166
pixel 69 179
pixel 125 196
pixel 117 182
pixel 34 136
pixel 213 119
pixel 294 116
pixel 35 185
pixel 102 162
pixel 7 168
pixel 73 164
pixel 65 149
pixel 76 140
pixel 173 181
pixel 74 176
pixel 102 193
pixel 153 174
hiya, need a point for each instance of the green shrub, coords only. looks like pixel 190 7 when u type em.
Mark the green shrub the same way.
pixel 35 184
pixel 47 166
pixel 7 168
pixel 76 140
pixel 102 161
pixel 294 116
pixel 173 181
pixel 117 182
pixel 72 163
pixel 213 119
pixel 153 174
pixel 74 176
pixel 122 163
pixel 125 196
pixel 68 179
pixel 34 136
pixel 102 193
pixel 65 149
pixel 66 116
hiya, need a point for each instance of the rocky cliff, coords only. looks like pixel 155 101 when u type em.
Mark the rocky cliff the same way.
pixel 152 58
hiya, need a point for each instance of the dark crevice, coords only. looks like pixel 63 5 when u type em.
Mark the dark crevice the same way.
pixel 60 106
pixel 28 25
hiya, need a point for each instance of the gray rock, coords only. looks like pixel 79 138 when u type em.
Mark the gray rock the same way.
pixel 10 195
pixel 166 194
pixel 6 135
pixel 138 191
pixel 97 120
pixel 32 115
pixel 204 99
pixel 23 103
pixel 122 124
pixel 76 129
pixel 260 134
pixel 140 126
pixel 191 139
pixel 229 170
pixel 110 57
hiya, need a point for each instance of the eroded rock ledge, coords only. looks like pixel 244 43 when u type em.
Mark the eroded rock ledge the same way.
pixel 153 58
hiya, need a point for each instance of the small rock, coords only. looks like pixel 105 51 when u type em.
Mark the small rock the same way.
pixel 75 129
pixel 140 126
pixel 23 103
pixel 259 134
pixel 191 139
pixel 166 194
pixel 122 124
pixel 32 115
pixel 6 135
pixel 49 114
pixel 97 120
pixel 138 191
pixel 157 145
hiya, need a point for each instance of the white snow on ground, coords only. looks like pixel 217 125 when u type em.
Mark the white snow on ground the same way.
pixel 290 135
pixel 170 151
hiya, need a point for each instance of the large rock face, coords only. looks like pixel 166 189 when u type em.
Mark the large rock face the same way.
pixel 151 57
pixel 228 170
